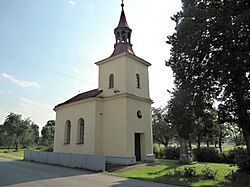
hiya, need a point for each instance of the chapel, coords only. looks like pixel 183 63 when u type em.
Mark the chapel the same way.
pixel 113 120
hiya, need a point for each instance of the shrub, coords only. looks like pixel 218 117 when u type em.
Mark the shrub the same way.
pixel 236 154
pixel 189 172
pixel 208 154
pixel 172 153
pixel 158 151
pixel 186 172
pixel 232 175
pixel 244 164
pixel 47 148
pixel 39 147
pixel 208 174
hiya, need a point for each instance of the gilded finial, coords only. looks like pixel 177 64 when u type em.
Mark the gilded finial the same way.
pixel 122 4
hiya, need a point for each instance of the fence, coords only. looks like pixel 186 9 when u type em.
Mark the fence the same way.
pixel 91 162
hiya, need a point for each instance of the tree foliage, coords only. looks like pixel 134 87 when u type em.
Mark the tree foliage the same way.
pixel 162 129
pixel 210 55
pixel 15 131
pixel 48 132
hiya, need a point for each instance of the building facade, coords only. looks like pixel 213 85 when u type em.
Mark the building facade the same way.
pixel 115 119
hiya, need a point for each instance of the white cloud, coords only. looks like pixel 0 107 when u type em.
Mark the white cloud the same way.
pixel 73 3
pixel 40 113
pixel 21 83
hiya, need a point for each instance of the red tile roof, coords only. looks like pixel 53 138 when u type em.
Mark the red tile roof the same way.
pixel 122 47
pixel 81 96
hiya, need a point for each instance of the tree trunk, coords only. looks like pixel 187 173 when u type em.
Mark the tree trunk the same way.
pixel 16 146
pixel 185 156
pixel 207 143
pixel 246 134
pixel 244 121
pixel 190 145
pixel 220 144
pixel 198 144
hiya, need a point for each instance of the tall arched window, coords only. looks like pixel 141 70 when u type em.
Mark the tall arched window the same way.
pixel 81 131
pixel 67 132
pixel 111 81
pixel 137 77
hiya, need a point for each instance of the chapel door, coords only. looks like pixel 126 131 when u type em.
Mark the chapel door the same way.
pixel 138 146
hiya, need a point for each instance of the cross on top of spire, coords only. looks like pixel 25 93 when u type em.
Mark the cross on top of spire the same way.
pixel 122 4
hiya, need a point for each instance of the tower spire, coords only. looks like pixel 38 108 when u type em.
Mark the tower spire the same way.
pixel 123 35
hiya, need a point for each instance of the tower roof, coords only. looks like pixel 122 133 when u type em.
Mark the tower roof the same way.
pixel 123 21
pixel 123 36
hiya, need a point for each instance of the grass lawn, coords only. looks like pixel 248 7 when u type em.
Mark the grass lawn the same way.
pixel 165 173
pixel 16 155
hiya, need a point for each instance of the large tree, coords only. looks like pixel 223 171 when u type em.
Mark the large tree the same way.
pixel 182 119
pixel 15 131
pixel 210 51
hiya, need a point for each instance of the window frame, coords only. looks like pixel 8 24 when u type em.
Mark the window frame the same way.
pixel 137 79
pixel 81 131
pixel 111 81
pixel 67 132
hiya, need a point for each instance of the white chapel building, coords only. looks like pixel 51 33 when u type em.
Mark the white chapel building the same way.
pixel 113 120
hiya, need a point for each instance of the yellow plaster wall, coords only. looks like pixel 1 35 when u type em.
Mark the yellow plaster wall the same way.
pixel 142 126
pixel 74 112
pixel 114 127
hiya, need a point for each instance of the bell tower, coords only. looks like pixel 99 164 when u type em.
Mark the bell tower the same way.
pixel 123 72
pixel 123 79
pixel 123 36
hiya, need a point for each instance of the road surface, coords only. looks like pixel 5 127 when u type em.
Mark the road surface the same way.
pixel 22 173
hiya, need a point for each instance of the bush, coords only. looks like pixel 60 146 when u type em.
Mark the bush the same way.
pixel 186 172
pixel 47 148
pixel 207 154
pixel 158 151
pixel 172 153
pixel 208 174
pixel 236 154
pixel 39 147
pixel 244 164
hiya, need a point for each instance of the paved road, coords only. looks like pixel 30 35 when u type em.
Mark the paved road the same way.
pixel 21 173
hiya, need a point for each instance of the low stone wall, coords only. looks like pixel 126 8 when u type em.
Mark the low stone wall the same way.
pixel 91 162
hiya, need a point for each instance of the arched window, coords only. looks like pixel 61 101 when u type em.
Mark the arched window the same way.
pixel 67 132
pixel 137 77
pixel 111 81
pixel 81 131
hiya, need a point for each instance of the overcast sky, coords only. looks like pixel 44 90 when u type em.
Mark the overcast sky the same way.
pixel 48 49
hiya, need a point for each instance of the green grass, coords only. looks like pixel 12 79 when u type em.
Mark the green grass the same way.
pixel 165 174
pixel 12 154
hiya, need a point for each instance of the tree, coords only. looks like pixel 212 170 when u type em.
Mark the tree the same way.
pixel 162 129
pixel 205 127
pixel 181 117
pixel 16 131
pixel 213 38
pixel 35 129
pixel 235 134
pixel 48 132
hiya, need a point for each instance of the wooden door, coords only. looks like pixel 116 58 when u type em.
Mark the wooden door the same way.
pixel 138 146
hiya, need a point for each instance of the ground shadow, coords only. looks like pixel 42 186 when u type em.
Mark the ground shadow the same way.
pixel 16 172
